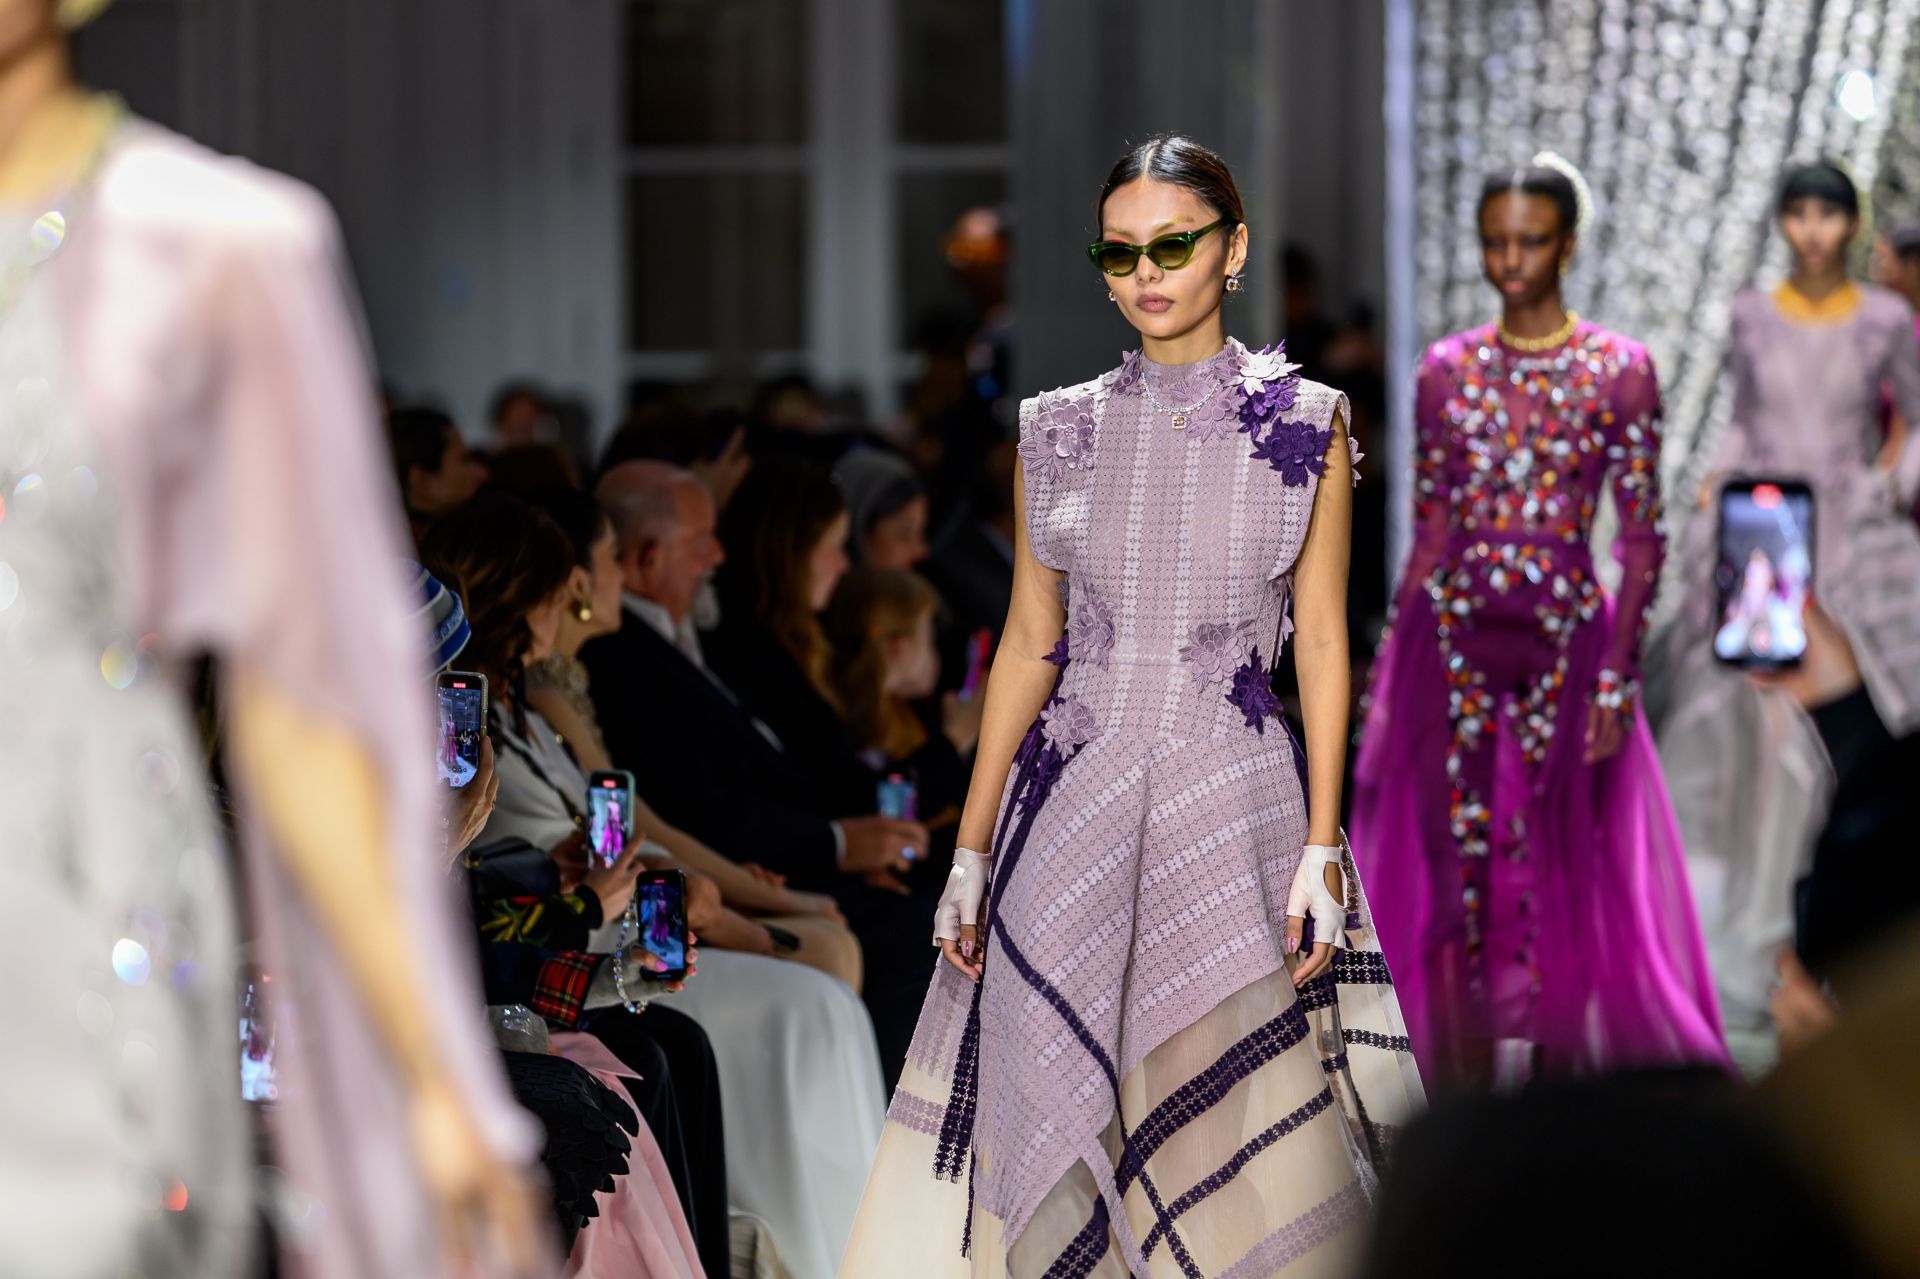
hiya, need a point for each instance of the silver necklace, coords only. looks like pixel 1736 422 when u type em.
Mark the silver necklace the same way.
pixel 1178 416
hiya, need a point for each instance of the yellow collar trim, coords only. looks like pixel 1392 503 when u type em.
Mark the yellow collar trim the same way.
pixel 1832 309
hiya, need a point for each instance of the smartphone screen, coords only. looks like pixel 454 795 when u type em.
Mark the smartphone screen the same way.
pixel 897 798
pixel 609 814
pixel 258 1080
pixel 463 721
pixel 978 646
pixel 1763 573
pixel 661 896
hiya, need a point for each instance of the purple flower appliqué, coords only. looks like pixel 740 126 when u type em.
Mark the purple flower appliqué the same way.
pixel 1295 449
pixel 1061 440
pixel 1059 654
pixel 1091 629
pixel 1122 378
pixel 1354 455
pixel 1269 387
pixel 1068 724
pixel 1252 693
pixel 1212 649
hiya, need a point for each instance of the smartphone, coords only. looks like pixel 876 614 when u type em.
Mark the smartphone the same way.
pixel 1763 573
pixel 661 896
pixel 898 798
pixel 609 813
pixel 258 1079
pixel 463 722
pixel 979 648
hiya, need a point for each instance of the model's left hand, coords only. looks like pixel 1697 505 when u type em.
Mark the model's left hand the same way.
pixel 1606 732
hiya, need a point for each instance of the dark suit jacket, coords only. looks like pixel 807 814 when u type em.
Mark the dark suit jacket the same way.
pixel 771 684
pixel 701 762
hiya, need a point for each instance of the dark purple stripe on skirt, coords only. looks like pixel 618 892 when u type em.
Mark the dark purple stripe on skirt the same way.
pixel 1201 1093
pixel 1231 1169
pixel 1087 1248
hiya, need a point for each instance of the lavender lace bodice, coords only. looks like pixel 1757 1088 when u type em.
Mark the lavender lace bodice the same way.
pixel 1178 542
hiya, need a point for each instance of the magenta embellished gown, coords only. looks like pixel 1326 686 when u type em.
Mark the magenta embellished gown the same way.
pixel 1536 906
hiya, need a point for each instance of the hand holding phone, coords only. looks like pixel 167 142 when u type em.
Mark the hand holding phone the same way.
pixel 661 896
pixel 462 698
pixel 610 795
pixel 1763 573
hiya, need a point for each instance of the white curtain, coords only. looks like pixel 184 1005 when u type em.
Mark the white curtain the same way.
pixel 1682 114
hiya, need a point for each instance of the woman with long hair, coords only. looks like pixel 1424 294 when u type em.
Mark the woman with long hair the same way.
pixel 557 687
pixel 1134 1058
pixel 1508 805
pixel 1750 777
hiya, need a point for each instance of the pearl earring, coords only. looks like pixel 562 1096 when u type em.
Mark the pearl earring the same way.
pixel 1111 297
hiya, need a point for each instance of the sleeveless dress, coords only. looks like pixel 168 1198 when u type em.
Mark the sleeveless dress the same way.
pixel 1135 1088
pixel 189 463
pixel 1512 878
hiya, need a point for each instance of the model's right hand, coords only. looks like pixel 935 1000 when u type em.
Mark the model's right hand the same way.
pixel 956 920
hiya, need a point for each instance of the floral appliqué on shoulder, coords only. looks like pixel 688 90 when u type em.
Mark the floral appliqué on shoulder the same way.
pixel 1270 387
pixel 1062 438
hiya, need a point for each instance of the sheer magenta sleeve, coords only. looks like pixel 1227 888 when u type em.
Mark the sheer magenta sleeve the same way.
pixel 1432 473
pixel 1633 459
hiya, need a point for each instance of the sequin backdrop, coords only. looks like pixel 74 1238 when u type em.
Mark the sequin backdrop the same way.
pixel 1682 114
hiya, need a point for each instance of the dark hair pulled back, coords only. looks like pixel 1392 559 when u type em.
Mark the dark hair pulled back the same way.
pixel 1534 179
pixel 1180 161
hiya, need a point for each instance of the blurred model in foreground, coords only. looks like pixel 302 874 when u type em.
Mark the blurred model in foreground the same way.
pixel 1134 1058
pixel 1508 805
pixel 1751 781
pixel 189 464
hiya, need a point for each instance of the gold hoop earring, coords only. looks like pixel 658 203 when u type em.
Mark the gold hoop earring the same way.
pixel 584 611
pixel 1566 265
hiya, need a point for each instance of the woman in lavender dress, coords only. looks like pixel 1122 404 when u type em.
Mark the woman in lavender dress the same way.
pixel 1508 806
pixel 1130 1062
pixel 1750 778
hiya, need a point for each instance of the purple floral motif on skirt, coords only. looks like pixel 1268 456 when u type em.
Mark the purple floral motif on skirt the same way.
pixel 1252 693
pixel 1213 649
pixel 1068 724
pixel 1090 628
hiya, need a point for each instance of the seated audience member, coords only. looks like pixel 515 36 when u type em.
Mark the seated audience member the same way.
pixel 712 445
pixel 720 773
pixel 886 509
pixel 785 543
pixel 881 627
pixel 972 568
pixel 436 469
pixel 557 687
pixel 638 1225
pixel 793 1046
